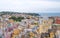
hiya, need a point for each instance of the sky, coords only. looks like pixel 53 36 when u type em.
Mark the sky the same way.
pixel 36 6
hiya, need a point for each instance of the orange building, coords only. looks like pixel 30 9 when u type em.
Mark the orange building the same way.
pixel 57 20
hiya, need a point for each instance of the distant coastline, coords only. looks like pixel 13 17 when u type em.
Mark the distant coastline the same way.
pixel 38 14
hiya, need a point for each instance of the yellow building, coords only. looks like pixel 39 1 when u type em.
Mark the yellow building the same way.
pixel 11 20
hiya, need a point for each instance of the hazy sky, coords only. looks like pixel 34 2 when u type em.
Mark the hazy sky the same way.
pixel 30 5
